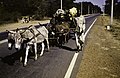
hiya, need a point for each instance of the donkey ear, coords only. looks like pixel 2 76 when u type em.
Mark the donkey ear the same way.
pixel 7 31
pixel 39 23
pixel 17 29
pixel 13 32
pixel 30 26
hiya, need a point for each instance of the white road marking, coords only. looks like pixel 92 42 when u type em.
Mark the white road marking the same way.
pixel 90 27
pixel 70 68
pixel 3 41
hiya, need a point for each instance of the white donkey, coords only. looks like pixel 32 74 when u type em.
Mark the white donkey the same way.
pixel 32 36
pixel 80 31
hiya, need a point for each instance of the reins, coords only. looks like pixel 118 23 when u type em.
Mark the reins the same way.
pixel 31 30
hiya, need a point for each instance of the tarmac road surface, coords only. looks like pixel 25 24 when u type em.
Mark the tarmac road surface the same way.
pixel 53 64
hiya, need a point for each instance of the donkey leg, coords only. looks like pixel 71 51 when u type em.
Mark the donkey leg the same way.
pixel 35 47
pixel 77 41
pixel 26 55
pixel 43 46
pixel 81 41
pixel 82 37
pixel 20 58
pixel 47 44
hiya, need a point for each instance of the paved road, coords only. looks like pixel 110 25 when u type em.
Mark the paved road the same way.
pixel 53 64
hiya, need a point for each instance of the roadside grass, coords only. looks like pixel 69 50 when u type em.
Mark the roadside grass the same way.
pixel 102 51
pixel 116 31
pixel 115 28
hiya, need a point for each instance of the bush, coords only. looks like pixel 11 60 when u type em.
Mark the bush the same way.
pixel 6 17
pixel 38 15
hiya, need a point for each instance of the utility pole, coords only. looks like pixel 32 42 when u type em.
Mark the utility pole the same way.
pixel 92 10
pixel 103 8
pixel 61 4
pixel 81 8
pixel 111 13
pixel 88 9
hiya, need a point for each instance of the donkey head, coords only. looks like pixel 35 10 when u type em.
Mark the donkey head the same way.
pixel 11 39
pixel 18 39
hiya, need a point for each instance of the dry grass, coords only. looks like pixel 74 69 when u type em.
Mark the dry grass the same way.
pixel 12 26
pixel 115 31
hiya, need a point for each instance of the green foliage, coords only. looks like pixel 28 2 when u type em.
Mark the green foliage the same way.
pixel 88 7
pixel 9 17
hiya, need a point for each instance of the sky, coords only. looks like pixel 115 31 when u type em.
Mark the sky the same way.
pixel 95 2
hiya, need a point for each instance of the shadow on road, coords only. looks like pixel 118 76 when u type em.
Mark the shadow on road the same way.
pixel 68 48
pixel 10 59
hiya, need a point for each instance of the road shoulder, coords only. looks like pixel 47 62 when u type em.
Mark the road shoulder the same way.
pixel 101 54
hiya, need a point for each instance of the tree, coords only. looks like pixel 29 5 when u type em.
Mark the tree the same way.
pixel 88 6
pixel 116 6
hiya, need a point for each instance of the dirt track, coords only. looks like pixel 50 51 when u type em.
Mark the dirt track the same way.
pixel 101 58
pixel 12 26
